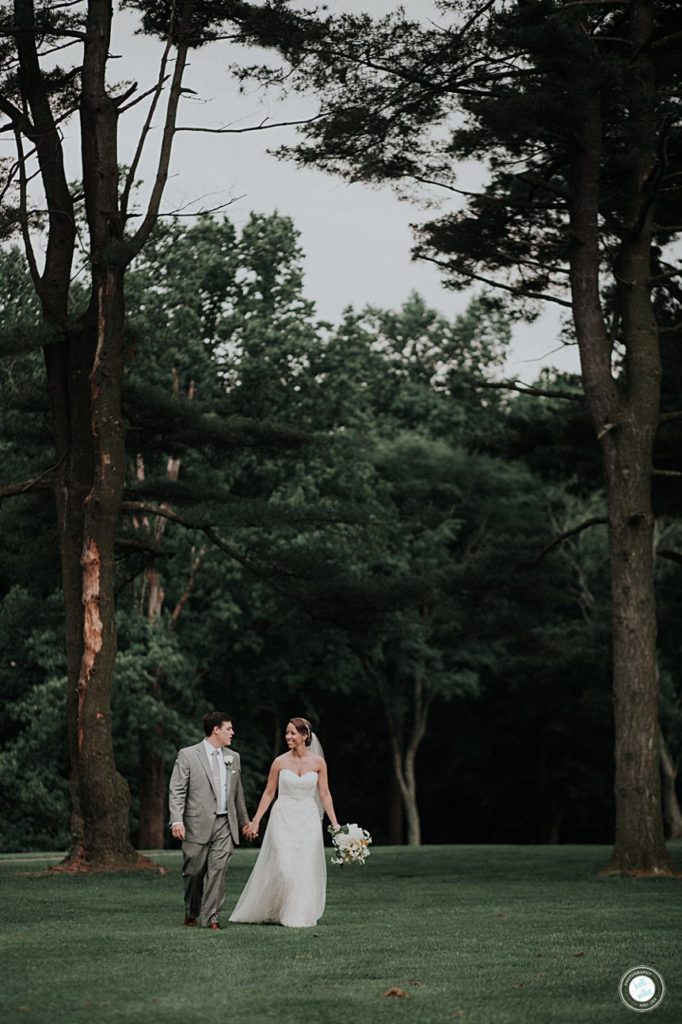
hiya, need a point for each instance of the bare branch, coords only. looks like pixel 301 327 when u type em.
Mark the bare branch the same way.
pixel 574 531
pixel 133 544
pixel 207 210
pixel 263 126
pixel 674 37
pixel 596 3
pixel 125 95
pixel 143 96
pixel 476 15
pixel 527 389
pixel 163 166
pixel 452 188
pixel 16 116
pixel 23 213
pixel 667 417
pixel 146 128
pixel 665 277
pixel 160 510
pixel 184 597
pixel 39 483
pixel 673 556
pixel 666 472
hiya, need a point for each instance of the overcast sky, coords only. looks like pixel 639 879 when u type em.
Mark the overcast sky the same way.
pixel 357 239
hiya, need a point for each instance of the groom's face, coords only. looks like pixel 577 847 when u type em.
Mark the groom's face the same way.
pixel 224 733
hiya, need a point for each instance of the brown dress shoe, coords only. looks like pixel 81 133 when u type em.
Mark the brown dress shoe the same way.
pixel 215 926
pixel 190 922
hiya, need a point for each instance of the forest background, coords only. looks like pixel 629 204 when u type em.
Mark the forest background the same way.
pixel 385 576
pixel 348 520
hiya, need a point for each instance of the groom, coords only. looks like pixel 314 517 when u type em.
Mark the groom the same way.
pixel 207 808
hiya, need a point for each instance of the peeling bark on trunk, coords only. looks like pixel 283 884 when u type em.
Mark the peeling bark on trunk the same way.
pixel 84 371
pixel 104 794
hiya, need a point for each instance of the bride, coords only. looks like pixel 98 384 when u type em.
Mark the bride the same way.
pixel 288 883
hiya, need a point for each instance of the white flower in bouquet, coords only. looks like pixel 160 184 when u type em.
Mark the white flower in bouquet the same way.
pixel 350 844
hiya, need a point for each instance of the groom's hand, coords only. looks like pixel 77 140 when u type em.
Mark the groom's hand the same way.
pixel 178 831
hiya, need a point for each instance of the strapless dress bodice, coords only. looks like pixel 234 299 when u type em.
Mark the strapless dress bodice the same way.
pixel 300 788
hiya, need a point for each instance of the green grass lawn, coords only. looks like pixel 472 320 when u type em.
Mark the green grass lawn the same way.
pixel 477 934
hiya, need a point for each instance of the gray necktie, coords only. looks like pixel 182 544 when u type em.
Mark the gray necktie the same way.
pixel 216 778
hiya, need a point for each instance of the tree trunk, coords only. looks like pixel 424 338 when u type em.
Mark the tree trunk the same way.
pixel 94 474
pixel 671 807
pixel 412 818
pixel 92 502
pixel 406 784
pixel 404 754
pixel 151 831
pixel 625 416
pixel 84 369
pixel 395 816
pixel 639 841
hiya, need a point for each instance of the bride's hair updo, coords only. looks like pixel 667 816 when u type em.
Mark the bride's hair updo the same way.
pixel 303 726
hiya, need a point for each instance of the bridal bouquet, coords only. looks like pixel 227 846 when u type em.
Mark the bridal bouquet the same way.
pixel 350 844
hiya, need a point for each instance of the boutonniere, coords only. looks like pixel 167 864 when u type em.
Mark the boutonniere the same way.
pixel 229 761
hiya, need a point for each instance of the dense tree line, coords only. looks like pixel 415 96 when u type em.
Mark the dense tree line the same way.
pixel 386 576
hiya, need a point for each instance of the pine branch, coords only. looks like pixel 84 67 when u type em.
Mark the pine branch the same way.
pixel 133 544
pixel 153 409
pixel 23 338
pixel 512 289
pixel 246 512
pixel 537 181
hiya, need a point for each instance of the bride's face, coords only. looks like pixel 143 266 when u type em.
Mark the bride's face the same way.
pixel 293 737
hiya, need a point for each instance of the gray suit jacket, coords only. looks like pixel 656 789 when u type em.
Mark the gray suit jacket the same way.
pixel 193 800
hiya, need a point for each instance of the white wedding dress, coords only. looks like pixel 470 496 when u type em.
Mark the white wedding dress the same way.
pixel 289 879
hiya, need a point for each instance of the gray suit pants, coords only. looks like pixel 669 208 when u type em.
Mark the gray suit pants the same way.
pixel 203 872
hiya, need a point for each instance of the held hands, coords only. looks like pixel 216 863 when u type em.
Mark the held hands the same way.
pixel 250 831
